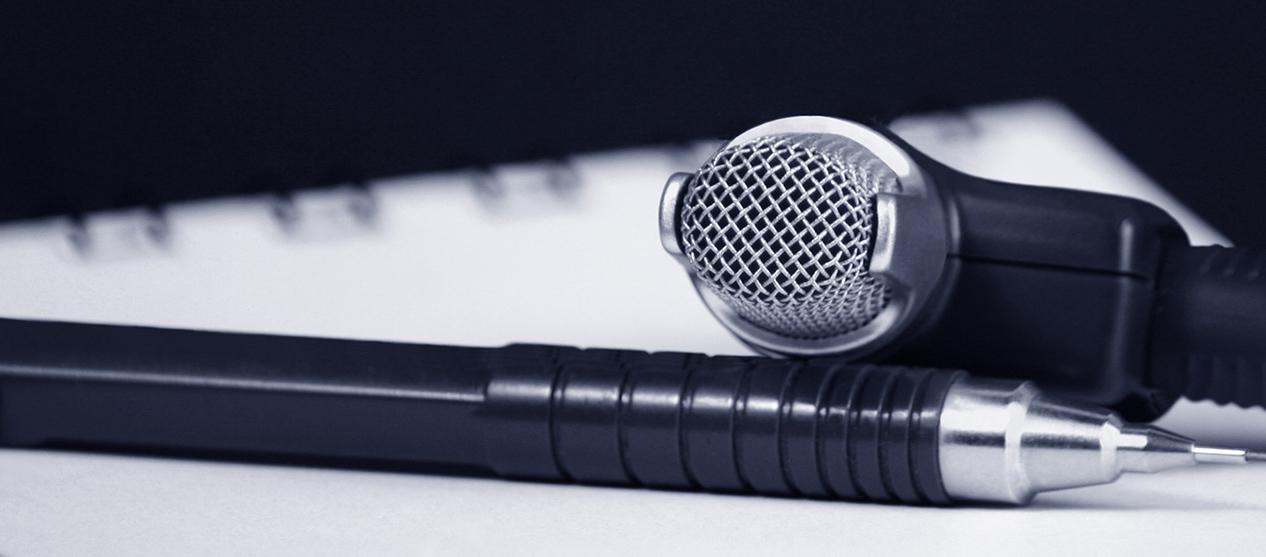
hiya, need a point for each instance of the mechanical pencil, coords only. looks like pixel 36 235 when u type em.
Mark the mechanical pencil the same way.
pixel 813 428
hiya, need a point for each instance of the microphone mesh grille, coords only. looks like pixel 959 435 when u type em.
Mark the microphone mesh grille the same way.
pixel 781 229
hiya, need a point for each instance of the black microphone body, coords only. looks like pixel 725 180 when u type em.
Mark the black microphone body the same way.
pixel 1055 285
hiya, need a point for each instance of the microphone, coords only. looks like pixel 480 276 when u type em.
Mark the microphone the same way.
pixel 814 236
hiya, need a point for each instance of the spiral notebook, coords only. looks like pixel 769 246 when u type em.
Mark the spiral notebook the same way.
pixel 562 252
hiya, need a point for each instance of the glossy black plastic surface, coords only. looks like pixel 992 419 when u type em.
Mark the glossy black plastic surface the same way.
pixel 687 421
pixel 1047 284
pixel 138 387
pixel 819 428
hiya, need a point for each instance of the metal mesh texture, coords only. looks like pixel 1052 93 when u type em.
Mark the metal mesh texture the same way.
pixel 781 229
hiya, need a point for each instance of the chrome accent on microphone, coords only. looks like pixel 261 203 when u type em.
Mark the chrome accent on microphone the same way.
pixel 668 207
pixel 789 234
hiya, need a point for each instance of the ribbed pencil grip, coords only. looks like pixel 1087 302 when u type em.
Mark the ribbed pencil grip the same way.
pixel 779 427
pixel 1209 329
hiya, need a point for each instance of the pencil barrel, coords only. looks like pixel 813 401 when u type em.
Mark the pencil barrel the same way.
pixel 199 393
pixel 817 428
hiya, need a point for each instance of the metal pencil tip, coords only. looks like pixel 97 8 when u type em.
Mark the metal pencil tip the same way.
pixel 1226 456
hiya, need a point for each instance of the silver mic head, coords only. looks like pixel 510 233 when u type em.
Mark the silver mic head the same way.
pixel 782 228
pixel 787 232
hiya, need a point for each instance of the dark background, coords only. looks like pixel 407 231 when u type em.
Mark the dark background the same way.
pixel 119 103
